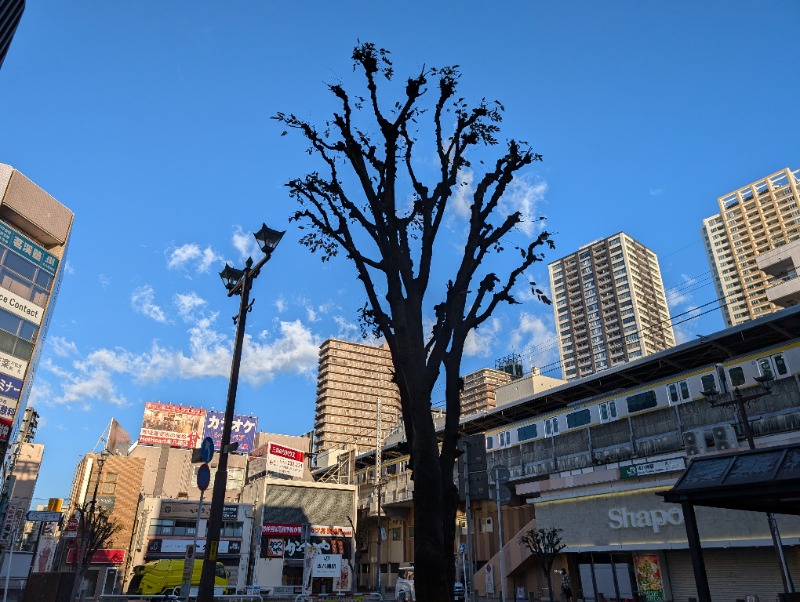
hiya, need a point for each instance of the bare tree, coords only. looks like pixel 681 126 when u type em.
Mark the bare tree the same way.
pixel 544 545
pixel 370 201
pixel 95 529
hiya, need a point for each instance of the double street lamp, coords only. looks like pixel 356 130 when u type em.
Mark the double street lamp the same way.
pixel 237 282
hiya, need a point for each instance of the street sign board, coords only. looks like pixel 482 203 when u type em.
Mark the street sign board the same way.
pixel 207 449
pixel 43 516
pixel 501 474
pixel 72 524
pixel 203 477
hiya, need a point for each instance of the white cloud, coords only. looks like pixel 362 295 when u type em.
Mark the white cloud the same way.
pixel 143 302
pixel 188 305
pixel 192 254
pixel 245 243
pixel 104 281
pixel 462 197
pixel 656 191
pixel 480 341
pixel 62 347
pixel 280 304
pixel 69 268
pixel 524 194
pixel 679 294
pixel 538 339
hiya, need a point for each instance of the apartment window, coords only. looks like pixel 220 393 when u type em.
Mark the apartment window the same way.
pixel 231 529
pixel 163 526
pixel 109 483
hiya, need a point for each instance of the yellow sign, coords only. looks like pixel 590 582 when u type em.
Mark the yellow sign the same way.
pixel 54 504
pixel 212 553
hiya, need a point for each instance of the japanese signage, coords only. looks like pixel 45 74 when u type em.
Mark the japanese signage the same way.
pixel 294 547
pixel 279 529
pixel 327 565
pixel 243 430
pixel 274 548
pixel 648 577
pixel 27 249
pixel 297 530
pixel 5 428
pixel 20 307
pixel 176 426
pixel 641 470
pixel 285 460
pixel 175 509
pixel 10 387
pixel 178 546
pixel 100 556
pixel 14 515
pixel 12 365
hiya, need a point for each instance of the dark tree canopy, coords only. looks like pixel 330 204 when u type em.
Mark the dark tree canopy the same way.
pixel 372 201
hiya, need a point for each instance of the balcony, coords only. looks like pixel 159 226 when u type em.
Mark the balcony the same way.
pixel 782 263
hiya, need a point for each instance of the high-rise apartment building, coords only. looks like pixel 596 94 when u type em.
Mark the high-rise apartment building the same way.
pixel 609 304
pixel 478 394
pixel 10 15
pixel 752 220
pixel 353 380
pixel 34 230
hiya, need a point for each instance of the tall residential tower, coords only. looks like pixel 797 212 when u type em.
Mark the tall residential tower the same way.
pixel 752 220
pixel 609 304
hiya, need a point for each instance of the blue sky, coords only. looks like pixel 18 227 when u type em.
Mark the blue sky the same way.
pixel 151 121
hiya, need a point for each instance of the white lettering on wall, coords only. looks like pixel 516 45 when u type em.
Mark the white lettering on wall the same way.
pixel 622 518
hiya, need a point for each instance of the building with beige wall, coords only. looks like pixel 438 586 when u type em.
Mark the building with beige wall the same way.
pixel 478 394
pixel 352 382
pixel 752 220
pixel 781 265
pixel 609 305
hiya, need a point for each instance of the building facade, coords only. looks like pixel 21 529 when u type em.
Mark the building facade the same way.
pixel 478 394
pixel 354 380
pixel 10 15
pixel 609 305
pixel 752 220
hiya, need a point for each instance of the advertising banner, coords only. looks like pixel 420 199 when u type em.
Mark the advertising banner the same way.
pixel 10 387
pixel 176 426
pixel 648 577
pixel 118 439
pixel 20 307
pixel 12 365
pixel 285 460
pixel 100 556
pixel 243 430
pixel 28 249
pixel 178 546
pixel 5 428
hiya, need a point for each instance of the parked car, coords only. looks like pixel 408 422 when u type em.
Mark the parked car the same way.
pixel 404 588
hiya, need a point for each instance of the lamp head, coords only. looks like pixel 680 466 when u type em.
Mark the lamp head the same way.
pixel 230 276
pixel 101 458
pixel 765 381
pixel 268 238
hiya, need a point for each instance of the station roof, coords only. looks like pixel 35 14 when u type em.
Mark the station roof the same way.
pixel 762 480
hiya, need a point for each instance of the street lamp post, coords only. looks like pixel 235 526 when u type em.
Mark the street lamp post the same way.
pixel 238 282
pixel 738 399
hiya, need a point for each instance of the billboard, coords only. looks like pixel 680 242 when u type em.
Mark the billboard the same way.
pixel 118 439
pixel 285 460
pixel 176 426
pixel 243 430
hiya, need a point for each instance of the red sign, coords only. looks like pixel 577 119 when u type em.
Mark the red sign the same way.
pixel 281 529
pixel 176 426
pixel 5 429
pixel 285 452
pixel 72 524
pixel 100 556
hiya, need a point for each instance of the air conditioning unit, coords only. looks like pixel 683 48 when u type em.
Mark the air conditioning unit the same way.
pixel 724 437
pixel 694 443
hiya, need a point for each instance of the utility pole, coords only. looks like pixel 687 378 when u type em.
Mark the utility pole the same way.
pixel 378 462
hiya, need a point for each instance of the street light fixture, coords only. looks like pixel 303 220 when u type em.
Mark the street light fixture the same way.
pixel 739 399
pixel 237 282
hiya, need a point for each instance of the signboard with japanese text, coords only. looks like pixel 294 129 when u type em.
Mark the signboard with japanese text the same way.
pixel 20 307
pixel 285 460
pixel 327 566
pixel 100 556
pixel 294 547
pixel 641 470
pixel 180 509
pixel 10 387
pixel 176 426
pixel 243 430
pixel 6 425
pixel 119 441
pixel 12 365
pixel 28 249
pixel 178 546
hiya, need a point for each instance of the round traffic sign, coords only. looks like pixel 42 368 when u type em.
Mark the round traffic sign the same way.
pixel 72 523
pixel 203 477
pixel 207 449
